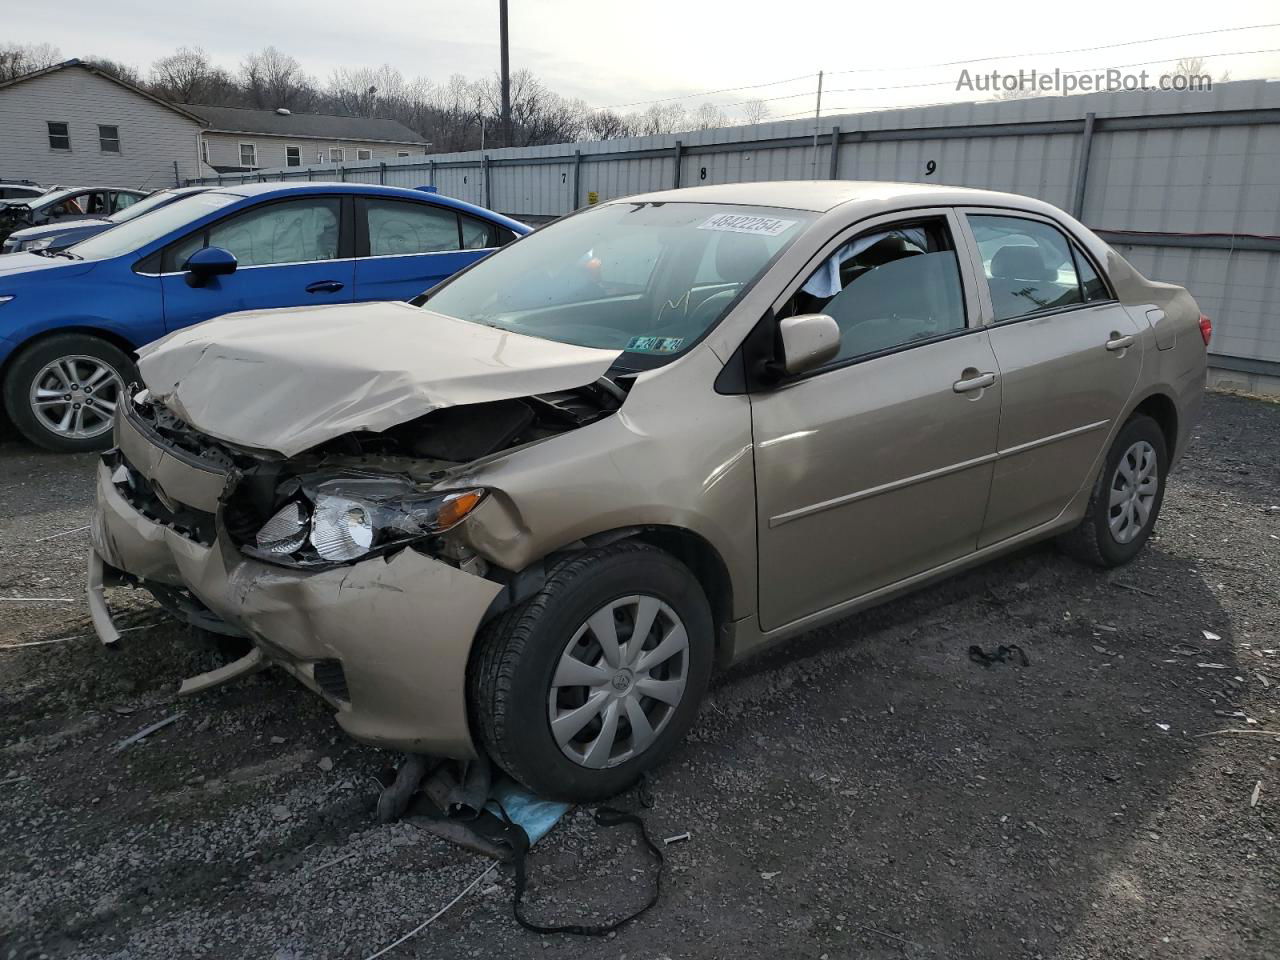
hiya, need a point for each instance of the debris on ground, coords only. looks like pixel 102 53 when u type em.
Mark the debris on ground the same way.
pixel 147 731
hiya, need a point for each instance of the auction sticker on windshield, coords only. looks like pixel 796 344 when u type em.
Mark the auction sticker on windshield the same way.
pixel 745 223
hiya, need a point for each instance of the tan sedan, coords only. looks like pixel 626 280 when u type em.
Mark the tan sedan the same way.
pixel 528 512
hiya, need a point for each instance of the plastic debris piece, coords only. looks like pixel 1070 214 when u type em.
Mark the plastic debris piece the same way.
pixel 146 732
pixel 1210 635
pixel 1257 792
pixel 678 838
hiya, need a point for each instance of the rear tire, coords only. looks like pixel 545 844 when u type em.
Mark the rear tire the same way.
pixel 61 391
pixel 1126 497
pixel 544 660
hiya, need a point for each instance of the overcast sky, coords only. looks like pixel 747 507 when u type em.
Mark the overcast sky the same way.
pixel 611 53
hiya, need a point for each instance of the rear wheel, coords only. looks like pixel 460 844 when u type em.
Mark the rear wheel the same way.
pixel 597 677
pixel 62 391
pixel 1126 497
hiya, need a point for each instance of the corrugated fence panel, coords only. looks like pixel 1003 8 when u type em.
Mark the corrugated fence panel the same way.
pixel 1236 288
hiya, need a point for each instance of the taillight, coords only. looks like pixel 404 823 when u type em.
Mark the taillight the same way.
pixel 1206 328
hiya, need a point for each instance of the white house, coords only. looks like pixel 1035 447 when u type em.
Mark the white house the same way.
pixel 237 139
pixel 74 124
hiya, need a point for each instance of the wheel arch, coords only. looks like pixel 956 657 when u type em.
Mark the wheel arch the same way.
pixel 692 549
pixel 1160 407
pixel 88 329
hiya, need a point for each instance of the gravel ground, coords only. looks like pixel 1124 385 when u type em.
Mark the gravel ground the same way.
pixel 866 791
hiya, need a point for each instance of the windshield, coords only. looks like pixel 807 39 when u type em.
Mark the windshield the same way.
pixel 648 278
pixel 151 226
pixel 157 199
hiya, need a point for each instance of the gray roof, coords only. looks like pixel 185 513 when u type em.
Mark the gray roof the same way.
pixel 308 125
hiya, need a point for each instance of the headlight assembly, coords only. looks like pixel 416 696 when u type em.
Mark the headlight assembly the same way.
pixel 32 246
pixel 343 519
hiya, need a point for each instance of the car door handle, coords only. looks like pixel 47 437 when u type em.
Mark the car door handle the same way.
pixel 1118 342
pixel 980 382
pixel 324 286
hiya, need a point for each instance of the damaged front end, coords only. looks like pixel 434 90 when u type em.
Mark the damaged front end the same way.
pixel 367 494
pixel 339 563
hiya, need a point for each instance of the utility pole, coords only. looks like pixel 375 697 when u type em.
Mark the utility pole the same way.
pixel 506 74
pixel 817 119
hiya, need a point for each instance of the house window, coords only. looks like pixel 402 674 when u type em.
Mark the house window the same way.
pixel 364 153
pixel 248 154
pixel 402 153
pixel 108 138
pixel 204 149
pixel 293 156
pixel 59 136
pixel 337 154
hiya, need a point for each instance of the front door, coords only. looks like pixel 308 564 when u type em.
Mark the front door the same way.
pixel 287 253
pixel 878 466
pixel 1069 357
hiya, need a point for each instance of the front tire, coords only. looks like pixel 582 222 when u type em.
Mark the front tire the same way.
pixel 598 676
pixel 1126 497
pixel 61 392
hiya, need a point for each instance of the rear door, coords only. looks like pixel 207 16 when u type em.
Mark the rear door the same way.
pixel 407 246
pixel 290 253
pixel 1069 357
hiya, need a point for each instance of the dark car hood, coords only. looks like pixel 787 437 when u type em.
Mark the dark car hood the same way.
pixel 61 227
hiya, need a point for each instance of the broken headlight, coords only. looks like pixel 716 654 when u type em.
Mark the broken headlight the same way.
pixel 345 518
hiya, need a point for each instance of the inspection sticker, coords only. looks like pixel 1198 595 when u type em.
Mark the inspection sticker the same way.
pixel 655 344
pixel 746 223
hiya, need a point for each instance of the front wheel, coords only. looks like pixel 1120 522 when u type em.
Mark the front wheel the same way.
pixel 597 677
pixel 62 391
pixel 1126 497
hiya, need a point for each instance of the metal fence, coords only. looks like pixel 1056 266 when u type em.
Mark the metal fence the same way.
pixel 1186 185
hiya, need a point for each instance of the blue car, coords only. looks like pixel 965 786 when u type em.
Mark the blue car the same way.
pixel 69 322
pixel 52 237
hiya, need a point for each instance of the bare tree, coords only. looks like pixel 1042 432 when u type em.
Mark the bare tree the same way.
pixel 663 118
pixel 1195 67
pixel 17 59
pixel 121 71
pixel 607 125
pixel 755 111
pixel 188 76
pixel 709 117
pixel 271 79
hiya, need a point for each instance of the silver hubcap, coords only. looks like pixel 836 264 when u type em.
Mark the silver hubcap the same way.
pixel 1133 492
pixel 76 396
pixel 618 681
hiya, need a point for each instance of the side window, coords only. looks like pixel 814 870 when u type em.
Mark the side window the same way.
pixel 1092 284
pixel 476 234
pixel 295 231
pixel 96 204
pixel 1028 264
pixel 401 227
pixel 120 201
pixel 887 288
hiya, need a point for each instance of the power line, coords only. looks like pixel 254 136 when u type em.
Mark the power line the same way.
pixel 930 66
pixel 708 93
pixel 1056 53
pixel 1065 73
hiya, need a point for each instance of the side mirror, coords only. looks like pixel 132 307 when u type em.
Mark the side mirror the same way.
pixel 807 341
pixel 210 262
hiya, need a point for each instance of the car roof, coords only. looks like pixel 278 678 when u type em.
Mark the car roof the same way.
pixel 367 189
pixel 822 195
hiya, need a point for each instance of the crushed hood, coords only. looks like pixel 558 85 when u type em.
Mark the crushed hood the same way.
pixel 287 380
